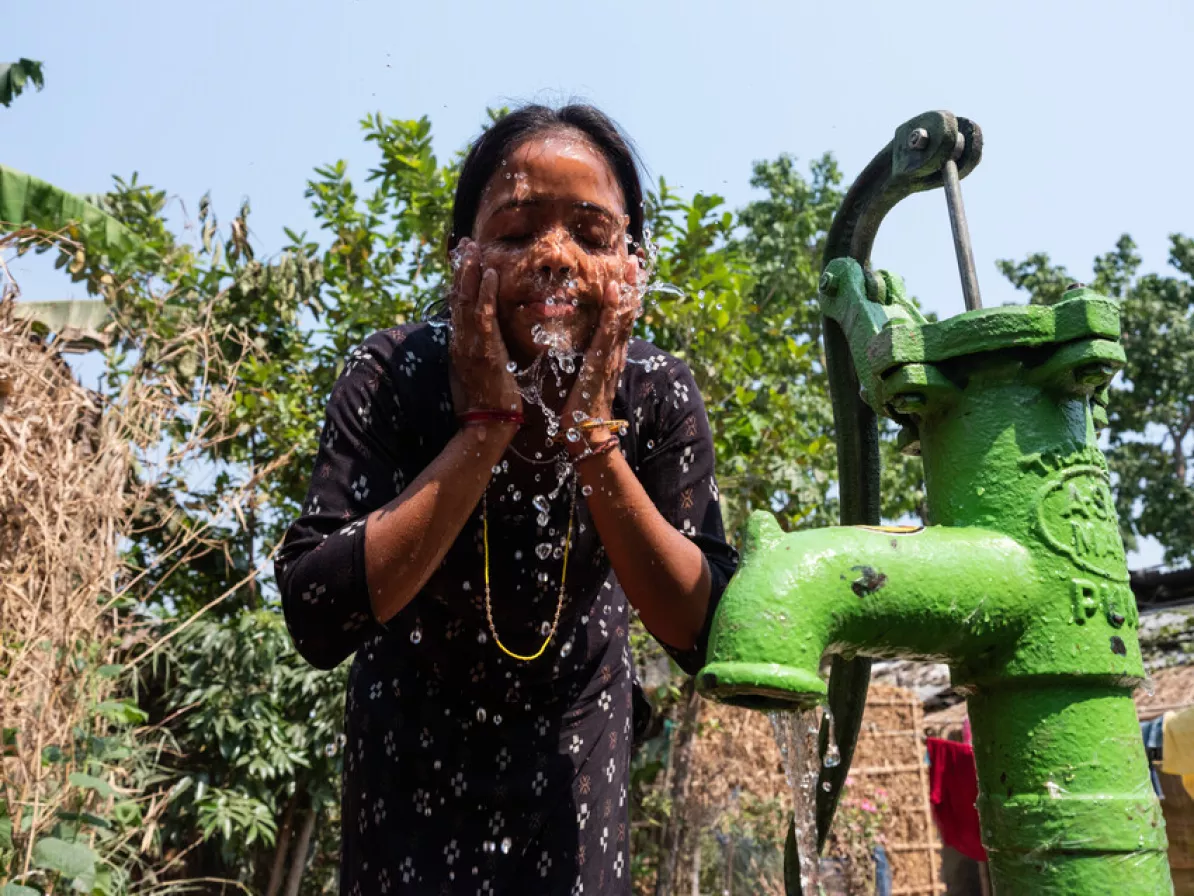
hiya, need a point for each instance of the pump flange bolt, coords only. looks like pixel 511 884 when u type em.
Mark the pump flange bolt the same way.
pixel 1093 374
pixel 908 403
pixel 918 139
pixel 828 284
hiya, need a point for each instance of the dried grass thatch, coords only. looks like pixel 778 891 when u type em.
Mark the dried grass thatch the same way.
pixel 78 473
pixel 62 505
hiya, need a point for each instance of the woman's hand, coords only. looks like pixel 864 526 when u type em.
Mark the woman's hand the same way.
pixel 592 395
pixel 479 376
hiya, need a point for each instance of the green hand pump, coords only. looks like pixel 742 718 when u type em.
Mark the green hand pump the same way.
pixel 1019 583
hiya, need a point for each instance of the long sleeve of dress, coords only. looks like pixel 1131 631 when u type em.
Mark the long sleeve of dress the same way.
pixel 320 568
pixel 676 467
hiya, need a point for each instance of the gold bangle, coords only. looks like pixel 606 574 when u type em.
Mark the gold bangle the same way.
pixel 615 427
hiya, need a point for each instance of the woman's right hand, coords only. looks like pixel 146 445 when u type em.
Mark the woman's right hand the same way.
pixel 481 379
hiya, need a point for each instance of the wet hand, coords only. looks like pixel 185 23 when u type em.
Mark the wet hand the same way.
pixel 592 396
pixel 480 374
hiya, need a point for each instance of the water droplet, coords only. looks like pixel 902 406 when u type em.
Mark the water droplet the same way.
pixel 497 719
pixel 833 756
pixel 482 637
pixel 827 787
pixel 481 714
pixel 437 765
pixel 578 416
pixel 517 496
pixel 497 468
pixel 416 635
pixel 543 550
pixel 566 649
pixel 650 444
pixel 586 490
pixel 572 435
pixel 545 628
pixel 557 553
pixel 518 555
pixel 511 366
pixel 542 519
pixel 540 503
pixel 543 577
pixel 489 846
pixel 506 844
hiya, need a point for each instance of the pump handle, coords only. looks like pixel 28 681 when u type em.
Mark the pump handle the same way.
pixel 933 150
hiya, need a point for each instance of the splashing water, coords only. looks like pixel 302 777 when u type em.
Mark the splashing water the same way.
pixel 796 734
pixel 833 756
pixel 560 359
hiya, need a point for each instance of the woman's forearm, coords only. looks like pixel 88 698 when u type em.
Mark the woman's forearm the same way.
pixel 665 576
pixel 406 539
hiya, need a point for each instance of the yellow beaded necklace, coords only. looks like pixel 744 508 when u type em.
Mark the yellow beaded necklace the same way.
pixel 563 578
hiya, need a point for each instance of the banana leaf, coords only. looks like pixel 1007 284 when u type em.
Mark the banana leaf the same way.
pixel 15 76
pixel 26 200
pixel 78 325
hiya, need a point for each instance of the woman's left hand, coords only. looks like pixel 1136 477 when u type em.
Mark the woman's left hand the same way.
pixel 597 382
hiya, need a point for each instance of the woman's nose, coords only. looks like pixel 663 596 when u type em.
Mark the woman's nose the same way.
pixel 556 255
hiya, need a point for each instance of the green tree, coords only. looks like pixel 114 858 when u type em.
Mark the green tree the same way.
pixel 1151 413
pixel 259 748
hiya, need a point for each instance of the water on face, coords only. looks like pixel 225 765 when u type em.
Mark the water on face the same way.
pixel 547 376
pixel 796 735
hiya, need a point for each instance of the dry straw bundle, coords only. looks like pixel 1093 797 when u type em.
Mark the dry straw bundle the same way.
pixel 62 507
pixel 79 472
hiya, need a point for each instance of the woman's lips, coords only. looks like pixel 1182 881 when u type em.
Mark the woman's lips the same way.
pixel 548 309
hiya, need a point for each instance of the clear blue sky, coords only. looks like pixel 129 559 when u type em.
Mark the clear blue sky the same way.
pixel 1084 106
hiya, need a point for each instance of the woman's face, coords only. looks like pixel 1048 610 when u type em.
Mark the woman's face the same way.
pixel 552 223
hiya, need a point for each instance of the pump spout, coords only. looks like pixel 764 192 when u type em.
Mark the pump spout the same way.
pixel 943 594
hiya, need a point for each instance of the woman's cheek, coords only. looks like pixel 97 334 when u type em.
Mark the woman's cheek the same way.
pixel 513 268
pixel 595 272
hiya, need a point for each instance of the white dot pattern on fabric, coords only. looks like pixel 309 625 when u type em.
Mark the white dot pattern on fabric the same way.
pixel 492 775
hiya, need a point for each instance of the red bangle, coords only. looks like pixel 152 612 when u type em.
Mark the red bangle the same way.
pixel 469 418
pixel 602 448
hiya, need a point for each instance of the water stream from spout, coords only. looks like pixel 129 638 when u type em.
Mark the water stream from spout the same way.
pixel 796 734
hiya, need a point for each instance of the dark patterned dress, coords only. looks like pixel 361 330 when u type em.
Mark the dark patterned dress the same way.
pixel 465 771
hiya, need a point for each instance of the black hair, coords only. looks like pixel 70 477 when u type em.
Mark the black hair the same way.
pixel 486 154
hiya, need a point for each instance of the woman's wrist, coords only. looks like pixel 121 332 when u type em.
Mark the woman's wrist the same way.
pixel 602 444
pixel 487 442
pixel 485 416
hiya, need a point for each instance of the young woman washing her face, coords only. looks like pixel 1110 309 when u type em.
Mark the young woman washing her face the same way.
pixel 489 501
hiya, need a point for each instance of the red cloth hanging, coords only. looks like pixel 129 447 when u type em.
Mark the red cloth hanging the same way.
pixel 954 792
